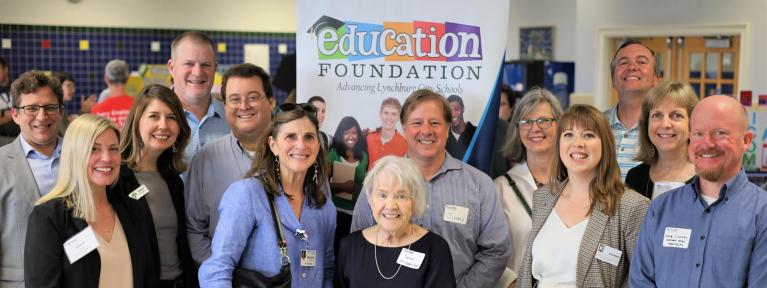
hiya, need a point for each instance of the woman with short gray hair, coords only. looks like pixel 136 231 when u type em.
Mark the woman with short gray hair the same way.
pixel 396 193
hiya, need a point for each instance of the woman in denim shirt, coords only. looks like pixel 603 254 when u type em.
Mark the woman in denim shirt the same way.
pixel 289 166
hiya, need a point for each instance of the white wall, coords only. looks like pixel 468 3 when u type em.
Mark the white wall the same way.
pixel 536 13
pixel 227 15
pixel 593 15
pixel 575 22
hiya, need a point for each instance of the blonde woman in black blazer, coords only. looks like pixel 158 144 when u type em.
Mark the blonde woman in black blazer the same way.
pixel 586 186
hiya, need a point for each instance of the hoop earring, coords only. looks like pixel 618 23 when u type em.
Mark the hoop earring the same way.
pixel 316 178
pixel 174 148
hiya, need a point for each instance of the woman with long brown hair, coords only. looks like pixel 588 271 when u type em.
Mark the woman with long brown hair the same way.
pixel 585 222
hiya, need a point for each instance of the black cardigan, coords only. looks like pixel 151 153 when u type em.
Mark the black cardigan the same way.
pixel 638 179
pixel 176 187
pixel 51 224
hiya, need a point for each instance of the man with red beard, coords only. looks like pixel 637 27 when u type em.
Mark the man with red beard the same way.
pixel 713 231
pixel 634 73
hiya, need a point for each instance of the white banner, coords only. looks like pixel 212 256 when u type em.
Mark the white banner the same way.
pixel 357 53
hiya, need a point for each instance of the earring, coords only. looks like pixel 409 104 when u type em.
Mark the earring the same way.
pixel 316 178
pixel 174 148
pixel 277 168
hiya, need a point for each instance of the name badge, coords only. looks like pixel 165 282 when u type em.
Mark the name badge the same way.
pixel 608 254
pixel 139 192
pixel 663 187
pixel 411 259
pixel 676 237
pixel 308 258
pixel 80 245
pixel 456 214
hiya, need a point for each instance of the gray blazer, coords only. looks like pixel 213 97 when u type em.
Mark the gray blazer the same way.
pixel 18 192
pixel 619 231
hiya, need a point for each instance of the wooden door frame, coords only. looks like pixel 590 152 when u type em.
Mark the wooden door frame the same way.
pixel 602 82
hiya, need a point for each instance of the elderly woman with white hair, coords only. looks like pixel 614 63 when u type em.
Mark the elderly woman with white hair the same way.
pixel 395 252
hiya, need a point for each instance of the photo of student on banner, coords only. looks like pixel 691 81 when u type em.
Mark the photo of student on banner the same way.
pixel 386 140
pixel 461 131
pixel 348 161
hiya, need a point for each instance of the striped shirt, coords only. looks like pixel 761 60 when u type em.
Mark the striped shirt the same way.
pixel 212 127
pixel 626 142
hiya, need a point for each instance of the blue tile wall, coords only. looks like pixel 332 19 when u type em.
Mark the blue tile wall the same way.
pixel 131 45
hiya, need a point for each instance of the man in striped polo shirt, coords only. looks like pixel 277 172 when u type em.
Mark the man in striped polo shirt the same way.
pixel 634 73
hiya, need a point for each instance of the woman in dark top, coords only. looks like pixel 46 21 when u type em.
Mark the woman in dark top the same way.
pixel 153 140
pixel 370 257
pixel 84 208
pixel 663 140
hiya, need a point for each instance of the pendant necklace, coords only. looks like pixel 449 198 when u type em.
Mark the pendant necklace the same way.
pixel 375 253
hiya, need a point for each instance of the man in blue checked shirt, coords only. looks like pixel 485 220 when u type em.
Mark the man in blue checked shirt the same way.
pixel 713 231
pixel 634 73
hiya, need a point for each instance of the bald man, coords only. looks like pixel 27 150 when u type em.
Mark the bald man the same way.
pixel 713 231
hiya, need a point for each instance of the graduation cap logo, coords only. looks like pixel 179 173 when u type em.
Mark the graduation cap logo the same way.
pixel 325 22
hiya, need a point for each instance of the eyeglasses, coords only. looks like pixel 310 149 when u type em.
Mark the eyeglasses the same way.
pixel 32 110
pixel 286 107
pixel 236 101
pixel 543 122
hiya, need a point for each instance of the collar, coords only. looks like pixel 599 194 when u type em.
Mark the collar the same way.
pixel 28 149
pixel 450 163
pixel 612 116
pixel 215 109
pixel 730 188
pixel 523 171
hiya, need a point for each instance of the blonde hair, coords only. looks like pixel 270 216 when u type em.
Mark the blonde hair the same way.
pixel 675 92
pixel 72 185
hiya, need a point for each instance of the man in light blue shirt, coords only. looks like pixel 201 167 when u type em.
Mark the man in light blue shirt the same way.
pixel 28 165
pixel 634 73
pixel 249 100
pixel 713 231
pixel 462 203
pixel 193 67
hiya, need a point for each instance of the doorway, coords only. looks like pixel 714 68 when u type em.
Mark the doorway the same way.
pixel 708 63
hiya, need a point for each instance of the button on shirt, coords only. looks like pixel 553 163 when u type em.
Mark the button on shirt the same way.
pixel 212 126
pixel 246 238
pixel 727 243
pixel 481 247
pixel 626 142
pixel 44 168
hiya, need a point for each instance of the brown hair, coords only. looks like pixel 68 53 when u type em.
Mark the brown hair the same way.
pixel 196 37
pixel 34 80
pixel 423 95
pixel 674 91
pixel 169 162
pixel 263 167
pixel 607 186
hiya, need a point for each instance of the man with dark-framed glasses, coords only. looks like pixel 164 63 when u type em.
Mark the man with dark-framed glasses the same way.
pixel 29 165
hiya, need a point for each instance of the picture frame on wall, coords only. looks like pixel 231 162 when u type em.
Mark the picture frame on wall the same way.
pixel 536 43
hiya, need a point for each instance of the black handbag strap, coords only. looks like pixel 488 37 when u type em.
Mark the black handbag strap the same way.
pixel 519 194
pixel 278 228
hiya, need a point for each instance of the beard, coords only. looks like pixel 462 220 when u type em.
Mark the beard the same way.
pixel 713 175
